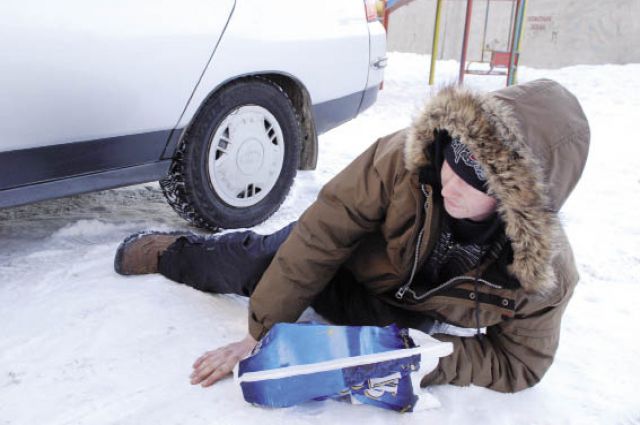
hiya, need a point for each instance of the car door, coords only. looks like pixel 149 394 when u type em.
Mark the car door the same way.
pixel 81 81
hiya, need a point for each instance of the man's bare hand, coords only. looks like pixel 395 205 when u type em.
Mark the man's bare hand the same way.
pixel 215 365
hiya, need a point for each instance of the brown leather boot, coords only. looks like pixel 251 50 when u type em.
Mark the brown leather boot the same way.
pixel 139 253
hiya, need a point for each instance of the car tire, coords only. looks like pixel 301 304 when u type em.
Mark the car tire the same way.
pixel 235 164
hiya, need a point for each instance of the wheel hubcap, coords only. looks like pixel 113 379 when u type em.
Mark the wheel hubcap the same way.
pixel 245 156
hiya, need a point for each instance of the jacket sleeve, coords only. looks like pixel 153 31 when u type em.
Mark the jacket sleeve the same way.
pixel 349 206
pixel 510 357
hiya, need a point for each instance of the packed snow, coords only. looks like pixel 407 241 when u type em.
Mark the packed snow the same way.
pixel 80 344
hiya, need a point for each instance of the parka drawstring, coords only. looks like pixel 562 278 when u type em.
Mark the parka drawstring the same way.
pixel 477 308
pixel 476 296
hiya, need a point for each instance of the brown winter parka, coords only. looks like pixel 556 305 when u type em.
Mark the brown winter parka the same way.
pixel 379 221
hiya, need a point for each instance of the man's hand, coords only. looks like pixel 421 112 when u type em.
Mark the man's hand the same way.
pixel 215 365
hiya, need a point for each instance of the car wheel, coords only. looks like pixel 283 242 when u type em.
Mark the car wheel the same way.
pixel 236 163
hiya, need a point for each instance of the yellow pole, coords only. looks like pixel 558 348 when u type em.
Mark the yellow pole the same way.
pixel 524 13
pixel 434 47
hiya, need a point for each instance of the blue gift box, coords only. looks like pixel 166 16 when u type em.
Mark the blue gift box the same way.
pixel 295 363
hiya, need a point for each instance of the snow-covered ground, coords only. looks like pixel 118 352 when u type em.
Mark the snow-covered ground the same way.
pixel 81 345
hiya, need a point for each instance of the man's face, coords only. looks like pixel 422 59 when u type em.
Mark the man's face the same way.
pixel 461 200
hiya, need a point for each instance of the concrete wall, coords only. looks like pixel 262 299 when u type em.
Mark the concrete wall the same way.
pixel 557 32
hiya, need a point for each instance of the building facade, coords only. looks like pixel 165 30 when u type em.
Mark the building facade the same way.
pixel 557 33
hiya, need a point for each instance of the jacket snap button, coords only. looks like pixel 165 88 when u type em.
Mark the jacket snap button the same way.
pixel 505 302
pixel 472 295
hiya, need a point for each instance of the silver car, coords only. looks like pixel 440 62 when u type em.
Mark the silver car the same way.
pixel 222 101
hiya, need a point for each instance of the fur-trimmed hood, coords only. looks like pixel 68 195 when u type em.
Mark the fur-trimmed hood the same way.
pixel 532 141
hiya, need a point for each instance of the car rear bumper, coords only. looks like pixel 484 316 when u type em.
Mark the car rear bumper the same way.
pixel 330 114
pixel 377 54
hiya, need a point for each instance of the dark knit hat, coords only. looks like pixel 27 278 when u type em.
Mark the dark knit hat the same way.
pixel 464 164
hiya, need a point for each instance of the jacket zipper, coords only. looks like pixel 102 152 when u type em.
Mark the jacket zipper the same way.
pixel 449 283
pixel 401 291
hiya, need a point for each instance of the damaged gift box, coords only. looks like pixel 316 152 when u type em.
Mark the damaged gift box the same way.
pixel 296 363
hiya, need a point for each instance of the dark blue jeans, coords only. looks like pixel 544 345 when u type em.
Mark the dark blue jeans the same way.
pixel 233 263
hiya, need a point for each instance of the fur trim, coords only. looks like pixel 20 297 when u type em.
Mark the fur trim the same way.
pixel 514 177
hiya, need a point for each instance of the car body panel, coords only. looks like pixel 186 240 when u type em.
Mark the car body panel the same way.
pixel 329 56
pixel 122 67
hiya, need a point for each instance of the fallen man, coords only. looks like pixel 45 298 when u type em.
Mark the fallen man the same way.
pixel 452 221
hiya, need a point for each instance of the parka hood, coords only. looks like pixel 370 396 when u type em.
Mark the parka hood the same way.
pixel 532 141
